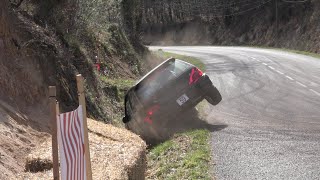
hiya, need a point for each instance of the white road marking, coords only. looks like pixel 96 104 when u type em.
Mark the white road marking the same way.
pixel 317 93
pixel 290 78
pixel 301 84
pixel 271 67
pixel 280 72
pixel 265 64
pixel 258 60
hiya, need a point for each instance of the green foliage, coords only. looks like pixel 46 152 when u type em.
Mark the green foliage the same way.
pixel 95 33
pixel 161 149
pixel 315 55
pixel 74 35
pixel 98 14
pixel 124 84
pixel 186 156
pixel 307 53
pixel 123 48
pixel 121 86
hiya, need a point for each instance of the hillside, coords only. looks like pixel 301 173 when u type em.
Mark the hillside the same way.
pixel 233 22
pixel 48 42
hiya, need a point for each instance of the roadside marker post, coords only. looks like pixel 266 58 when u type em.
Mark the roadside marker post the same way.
pixel 82 102
pixel 54 108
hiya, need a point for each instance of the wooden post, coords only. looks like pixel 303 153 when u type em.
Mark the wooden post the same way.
pixel 53 117
pixel 82 102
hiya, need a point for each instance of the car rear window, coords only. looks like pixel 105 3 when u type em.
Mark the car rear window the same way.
pixel 160 77
pixel 180 67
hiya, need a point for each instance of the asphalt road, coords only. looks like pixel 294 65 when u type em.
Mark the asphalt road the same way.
pixel 271 106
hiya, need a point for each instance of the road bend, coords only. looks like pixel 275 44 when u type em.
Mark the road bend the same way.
pixel 271 106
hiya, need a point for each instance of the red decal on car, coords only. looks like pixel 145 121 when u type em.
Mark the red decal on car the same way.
pixel 150 112
pixel 195 75
pixel 148 120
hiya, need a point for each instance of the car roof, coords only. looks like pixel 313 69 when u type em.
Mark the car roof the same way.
pixel 165 62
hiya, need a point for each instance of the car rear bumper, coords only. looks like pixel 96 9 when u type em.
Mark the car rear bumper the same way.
pixel 198 91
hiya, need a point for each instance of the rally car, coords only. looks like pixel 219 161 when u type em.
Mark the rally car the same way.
pixel 166 91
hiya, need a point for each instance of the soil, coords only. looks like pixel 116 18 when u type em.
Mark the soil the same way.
pixel 17 139
pixel 41 46
pixel 116 153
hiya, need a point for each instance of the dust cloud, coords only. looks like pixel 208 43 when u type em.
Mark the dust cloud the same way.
pixel 164 129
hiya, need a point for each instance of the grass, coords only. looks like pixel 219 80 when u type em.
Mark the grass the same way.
pixel 185 156
pixel 189 59
pixel 120 83
pixel 315 55
pixel 115 90
pixel 121 86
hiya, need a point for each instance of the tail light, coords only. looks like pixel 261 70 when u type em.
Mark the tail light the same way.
pixel 195 75
pixel 151 112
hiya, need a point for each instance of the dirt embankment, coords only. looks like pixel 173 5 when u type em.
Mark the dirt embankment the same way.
pixel 46 43
pixel 18 136
pixel 115 154
pixel 233 23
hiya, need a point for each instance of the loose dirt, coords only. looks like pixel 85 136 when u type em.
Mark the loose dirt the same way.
pixel 17 139
pixel 115 153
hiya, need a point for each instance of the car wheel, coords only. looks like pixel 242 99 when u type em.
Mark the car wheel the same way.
pixel 213 96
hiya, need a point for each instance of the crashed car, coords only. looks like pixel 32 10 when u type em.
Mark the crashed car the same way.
pixel 169 89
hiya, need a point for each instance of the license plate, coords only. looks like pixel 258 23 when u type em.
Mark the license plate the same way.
pixel 182 99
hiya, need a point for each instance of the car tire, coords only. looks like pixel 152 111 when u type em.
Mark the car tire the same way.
pixel 213 96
